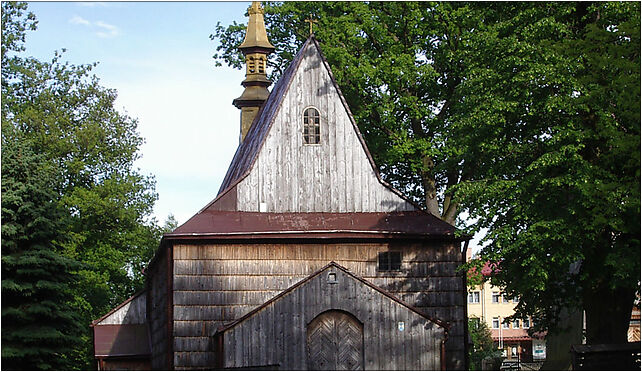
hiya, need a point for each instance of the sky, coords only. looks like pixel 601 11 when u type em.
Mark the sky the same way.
pixel 158 56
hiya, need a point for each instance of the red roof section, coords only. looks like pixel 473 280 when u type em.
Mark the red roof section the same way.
pixel 514 335
pixel 234 224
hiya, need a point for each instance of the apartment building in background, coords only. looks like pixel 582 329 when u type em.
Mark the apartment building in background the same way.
pixel 486 303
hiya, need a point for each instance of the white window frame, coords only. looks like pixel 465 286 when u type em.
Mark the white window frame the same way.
pixel 496 322
pixel 473 297
pixel 496 297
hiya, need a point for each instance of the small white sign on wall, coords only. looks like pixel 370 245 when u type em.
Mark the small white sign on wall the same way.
pixel 401 326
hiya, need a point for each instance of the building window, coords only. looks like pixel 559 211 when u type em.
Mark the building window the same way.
pixel 506 324
pixel 527 323
pixel 515 299
pixel 473 297
pixel 311 127
pixel 475 321
pixel 516 323
pixel 505 299
pixel 389 261
pixel 496 322
pixel 495 298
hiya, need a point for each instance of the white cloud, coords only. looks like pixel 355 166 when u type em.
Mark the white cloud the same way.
pixel 109 30
pixel 93 4
pixel 77 20
pixel 102 29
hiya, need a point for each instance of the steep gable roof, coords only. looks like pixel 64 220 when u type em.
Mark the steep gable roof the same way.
pixel 248 150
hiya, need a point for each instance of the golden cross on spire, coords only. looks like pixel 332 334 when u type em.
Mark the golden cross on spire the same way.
pixel 311 21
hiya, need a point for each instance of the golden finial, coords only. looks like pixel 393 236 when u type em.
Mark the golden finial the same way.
pixel 255 48
pixel 311 21
pixel 256 36
pixel 255 8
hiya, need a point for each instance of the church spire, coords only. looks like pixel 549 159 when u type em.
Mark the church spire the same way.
pixel 255 48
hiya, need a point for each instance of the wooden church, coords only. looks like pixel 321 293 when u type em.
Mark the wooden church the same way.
pixel 306 258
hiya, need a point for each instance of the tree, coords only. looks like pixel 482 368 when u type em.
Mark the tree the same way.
pixel 40 327
pixel 61 111
pixel 561 201
pixel 509 111
pixel 483 346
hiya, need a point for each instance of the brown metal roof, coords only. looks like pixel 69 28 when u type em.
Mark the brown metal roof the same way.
pixel 249 149
pixel 121 340
pixel 237 225
pixel 439 322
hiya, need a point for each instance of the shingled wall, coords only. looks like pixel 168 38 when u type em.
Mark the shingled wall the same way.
pixel 215 284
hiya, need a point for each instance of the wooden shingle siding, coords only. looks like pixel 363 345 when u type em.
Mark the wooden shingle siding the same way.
pixel 333 176
pixel 346 251
pixel 262 339
pixel 157 312
pixel 214 284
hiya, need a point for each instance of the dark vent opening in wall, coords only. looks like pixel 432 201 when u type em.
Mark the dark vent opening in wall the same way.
pixel 389 261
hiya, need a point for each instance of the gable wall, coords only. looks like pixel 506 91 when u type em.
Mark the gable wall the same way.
pixel 217 283
pixel 334 176
pixel 132 312
pixel 276 335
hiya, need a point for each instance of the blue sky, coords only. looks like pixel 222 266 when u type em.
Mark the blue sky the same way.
pixel 158 56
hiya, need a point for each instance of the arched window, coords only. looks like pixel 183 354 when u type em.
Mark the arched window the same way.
pixel 311 128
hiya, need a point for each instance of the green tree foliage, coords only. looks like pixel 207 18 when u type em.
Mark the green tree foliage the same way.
pixel 561 198
pixel 483 347
pixel 40 327
pixel 525 115
pixel 61 112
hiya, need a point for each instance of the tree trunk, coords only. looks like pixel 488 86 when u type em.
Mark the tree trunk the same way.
pixel 430 190
pixel 608 313
pixel 432 205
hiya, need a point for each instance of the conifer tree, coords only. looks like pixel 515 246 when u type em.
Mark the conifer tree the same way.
pixel 39 325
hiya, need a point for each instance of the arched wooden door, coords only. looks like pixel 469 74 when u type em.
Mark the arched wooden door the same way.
pixel 335 342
